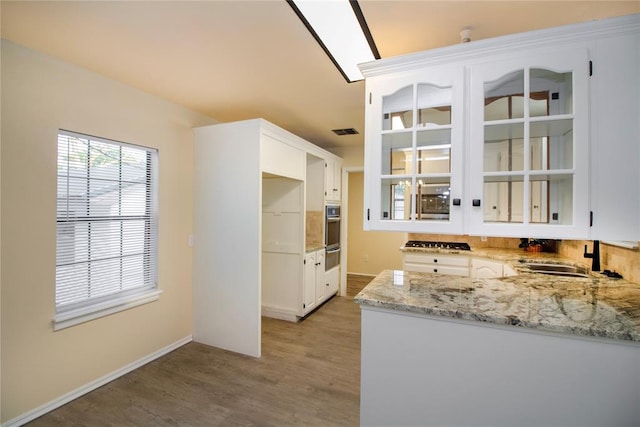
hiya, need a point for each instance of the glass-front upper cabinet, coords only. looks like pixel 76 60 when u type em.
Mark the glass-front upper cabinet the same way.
pixel 414 151
pixel 529 146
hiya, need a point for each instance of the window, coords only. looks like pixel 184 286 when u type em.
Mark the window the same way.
pixel 106 252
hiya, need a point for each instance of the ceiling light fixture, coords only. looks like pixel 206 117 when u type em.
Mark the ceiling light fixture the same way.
pixel 341 30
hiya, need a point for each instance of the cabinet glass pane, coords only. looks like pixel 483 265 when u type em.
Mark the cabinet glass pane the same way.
pixel 397 110
pixel 551 145
pixel 539 204
pixel 504 97
pixel 396 154
pixel 545 84
pixel 504 148
pixel 551 199
pixel 434 105
pixel 503 199
pixel 433 200
pixel 395 199
pixel 434 151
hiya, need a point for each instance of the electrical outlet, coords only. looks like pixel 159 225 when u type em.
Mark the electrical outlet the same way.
pixel 190 240
pixel 365 258
pixel 483 238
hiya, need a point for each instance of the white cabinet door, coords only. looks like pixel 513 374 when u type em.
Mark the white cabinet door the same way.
pixel 615 175
pixel 333 280
pixel 529 146
pixel 414 151
pixel 332 180
pixel 321 283
pixel 485 268
pixel 310 268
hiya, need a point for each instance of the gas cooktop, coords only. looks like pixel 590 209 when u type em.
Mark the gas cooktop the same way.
pixel 460 246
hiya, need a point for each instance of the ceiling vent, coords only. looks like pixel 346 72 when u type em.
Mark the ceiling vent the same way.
pixel 347 131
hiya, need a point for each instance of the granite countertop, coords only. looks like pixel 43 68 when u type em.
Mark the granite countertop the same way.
pixel 596 306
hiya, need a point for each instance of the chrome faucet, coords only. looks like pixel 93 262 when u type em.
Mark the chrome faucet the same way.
pixel 595 255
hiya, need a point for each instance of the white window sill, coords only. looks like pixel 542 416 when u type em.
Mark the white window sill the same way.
pixel 85 314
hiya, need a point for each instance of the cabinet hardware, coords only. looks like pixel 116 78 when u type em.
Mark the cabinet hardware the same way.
pixel 476 202
pixel 368 211
pixel 369 97
pixel 590 68
pixel 456 202
pixel 590 218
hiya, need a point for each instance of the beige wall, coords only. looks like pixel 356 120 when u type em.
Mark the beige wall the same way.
pixel 39 96
pixel 369 252
pixel 351 156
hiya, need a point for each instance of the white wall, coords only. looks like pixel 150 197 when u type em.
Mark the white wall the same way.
pixel 39 96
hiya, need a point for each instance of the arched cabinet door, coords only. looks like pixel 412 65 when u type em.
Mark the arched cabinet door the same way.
pixel 529 146
pixel 414 151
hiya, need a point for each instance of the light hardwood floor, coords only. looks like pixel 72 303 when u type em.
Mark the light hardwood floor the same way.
pixel 356 282
pixel 308 375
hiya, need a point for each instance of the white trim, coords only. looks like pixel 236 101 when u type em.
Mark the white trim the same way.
pixel 80 391
pixel 280 314
pixel 85 314
pixel 344 226
pixel 621 244
pixel 511 43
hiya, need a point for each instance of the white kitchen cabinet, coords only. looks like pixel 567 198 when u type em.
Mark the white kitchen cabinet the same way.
pixel 319 285
pixel 320 281
pixel 530 139
pixel 414 152
pixel 332 180
pixel 615 136
pixel 332 278
pixel 485 268
pixel 311 271
pixel 546 124
pixel 249 229
pixel 455 265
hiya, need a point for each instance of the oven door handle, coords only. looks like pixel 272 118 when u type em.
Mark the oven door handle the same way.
pixel 333 251
pixel 333 219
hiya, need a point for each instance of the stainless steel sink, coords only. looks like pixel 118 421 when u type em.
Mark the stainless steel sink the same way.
pixel 559 269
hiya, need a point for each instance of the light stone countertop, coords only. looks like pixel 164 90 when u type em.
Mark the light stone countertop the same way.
pixel 597 306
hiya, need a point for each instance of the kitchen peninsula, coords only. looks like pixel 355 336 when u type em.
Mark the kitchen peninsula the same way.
pixel 527 349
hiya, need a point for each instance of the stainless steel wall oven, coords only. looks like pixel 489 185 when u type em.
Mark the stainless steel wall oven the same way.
pixel 332 236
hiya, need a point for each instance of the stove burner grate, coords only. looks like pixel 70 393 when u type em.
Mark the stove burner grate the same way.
pixel 460 246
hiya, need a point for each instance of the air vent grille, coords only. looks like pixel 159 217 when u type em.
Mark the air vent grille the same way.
pixel 346 131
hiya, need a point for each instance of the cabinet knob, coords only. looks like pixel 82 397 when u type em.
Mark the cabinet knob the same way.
pixel 456 202
pixel 475 202
pixel 435 260
pixel 435 270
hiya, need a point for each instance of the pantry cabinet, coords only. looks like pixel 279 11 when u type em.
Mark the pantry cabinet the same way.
pixel 257 189
pixel 531 134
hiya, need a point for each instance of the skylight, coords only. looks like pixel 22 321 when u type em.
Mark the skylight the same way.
pixel 341 30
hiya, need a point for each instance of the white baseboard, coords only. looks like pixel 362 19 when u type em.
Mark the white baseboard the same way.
pixel 66 398
pixel 360 274
pixel 281 314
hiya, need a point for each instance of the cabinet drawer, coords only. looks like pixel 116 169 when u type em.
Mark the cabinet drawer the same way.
pixel 438 269
pixel 437 259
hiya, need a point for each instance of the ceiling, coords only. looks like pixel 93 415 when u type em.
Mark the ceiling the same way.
pixel 236 60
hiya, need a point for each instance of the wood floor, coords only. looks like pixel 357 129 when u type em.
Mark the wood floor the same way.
pixel 355 283
pixel 308 375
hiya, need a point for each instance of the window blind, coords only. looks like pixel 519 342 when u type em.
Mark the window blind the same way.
pixel 106 221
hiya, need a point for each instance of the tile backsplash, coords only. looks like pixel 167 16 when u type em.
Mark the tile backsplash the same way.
pixel 313 227
pixel 622 260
